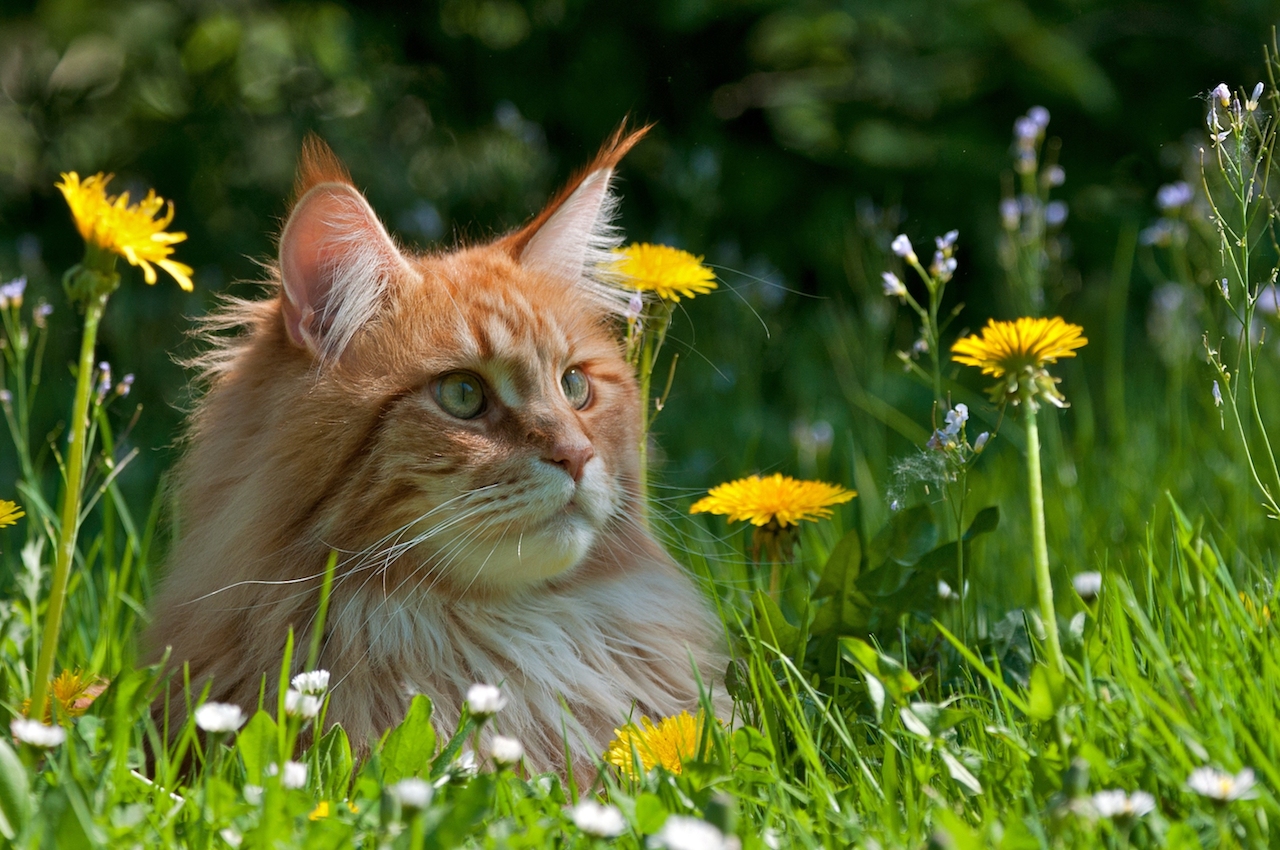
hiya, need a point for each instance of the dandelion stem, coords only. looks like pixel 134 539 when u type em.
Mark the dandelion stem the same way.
pixel 1039 546
pixel 71 493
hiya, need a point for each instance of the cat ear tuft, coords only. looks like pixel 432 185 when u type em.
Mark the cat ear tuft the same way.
pixel 574 236
pixel 336 261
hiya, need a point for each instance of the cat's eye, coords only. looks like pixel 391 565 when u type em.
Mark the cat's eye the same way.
pixel 461 394
pixel 577 388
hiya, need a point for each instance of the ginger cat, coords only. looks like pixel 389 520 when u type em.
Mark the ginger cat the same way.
pixel 462 428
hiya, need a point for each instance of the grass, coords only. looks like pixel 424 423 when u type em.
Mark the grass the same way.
pixel 871 710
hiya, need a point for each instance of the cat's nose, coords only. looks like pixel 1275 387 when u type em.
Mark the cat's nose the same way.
pixel 572 456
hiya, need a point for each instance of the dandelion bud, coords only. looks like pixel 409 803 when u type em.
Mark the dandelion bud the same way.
pixel 1010 213
pixel 902 247
pixel 893 286
pixel 1252 103
pixel 1055 213
pixel 1039 116
pixel 981 443
pixel 1222 93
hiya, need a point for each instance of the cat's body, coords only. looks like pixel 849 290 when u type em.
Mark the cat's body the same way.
pixel 502 543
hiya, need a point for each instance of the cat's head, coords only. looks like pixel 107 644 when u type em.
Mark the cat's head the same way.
pixel 502 419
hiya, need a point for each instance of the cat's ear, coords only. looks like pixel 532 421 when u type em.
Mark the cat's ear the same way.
pixel 573 236
pixel 336 259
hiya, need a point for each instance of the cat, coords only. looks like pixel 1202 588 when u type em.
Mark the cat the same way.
pixel 461 426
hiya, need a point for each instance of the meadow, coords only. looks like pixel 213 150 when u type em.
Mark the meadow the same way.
pixel 1047 619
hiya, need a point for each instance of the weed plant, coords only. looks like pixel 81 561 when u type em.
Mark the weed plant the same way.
pixel 893 689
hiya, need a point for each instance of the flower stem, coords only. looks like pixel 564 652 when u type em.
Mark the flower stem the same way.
pixel 71 493
pixel 1039 546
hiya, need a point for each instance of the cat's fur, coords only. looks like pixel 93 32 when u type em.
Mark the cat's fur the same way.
pixel 509 549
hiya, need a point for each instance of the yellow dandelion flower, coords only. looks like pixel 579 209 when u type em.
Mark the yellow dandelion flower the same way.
pixel 320 811
pixel 778 499
pixel 111 224
pixel 10 513
pixel 667 272
pixel 74 691
pixel 1017 352
pixel 670 743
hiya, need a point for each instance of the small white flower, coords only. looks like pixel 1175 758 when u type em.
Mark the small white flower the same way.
pixel 294 776
pixel 981 443
pixel 1252 103
pixel 1039 115
pixel 40 315
pixel 1026 130
pixel 298 704
pixel 945 591
pixel 1222 93
pixel 635 307
pixel 506 750
pixel 1010 212
pixel 11 292
pixel 413 793
pixel 1088 585
pixel 253 794
pixel 947 241
pixel 466 765
pixel 1115 803
pixel 126 384
pixel 902 247
pixel 485 700
pixel 1171 196
pixel 1054 175
pixel 893 285
pixel 219 717
pixel 943 266
pixel 232 837
pixel 36 734
pixel 1217 395
pixel 312 682
pixel 956 419
pixel 1055 213
pixel 1226 289
pixel 598 820
pixel 1222 786
pixel 685 833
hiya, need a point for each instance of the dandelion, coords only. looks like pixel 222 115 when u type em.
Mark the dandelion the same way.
pixel 298 704
pixel 598 820
pixel 684 833
pixel 893 285
pixel 320 811
pixel 1017 352
pixel 73 691
pixel 902 247
pixel 413 793
pixel 1120 806
pixel 10 513
pixel 219 717
pixel 1087 584
pixel 506 751
pixel 1222 787
pixel 110 224
pixel 485 700
pixel 669 744
pixel 667 272
pixel 777 499
pixel 311 682
pixel 37 734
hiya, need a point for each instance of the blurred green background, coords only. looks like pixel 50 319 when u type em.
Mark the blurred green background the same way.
pixel 793 140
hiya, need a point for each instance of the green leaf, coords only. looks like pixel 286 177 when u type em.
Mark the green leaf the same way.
pixel 960 773
pixel 929 719
pixel 16 804
pixel 897 680
pixel 908 535
pixel 410 746
pixel 651 813
pixel 1048 692
pixel 334 753
pixel 984 522
pixel 752 749
pixel 842 567
pixel 258 745
pixel 772 625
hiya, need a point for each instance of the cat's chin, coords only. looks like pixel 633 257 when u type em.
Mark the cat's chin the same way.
pixel 532 557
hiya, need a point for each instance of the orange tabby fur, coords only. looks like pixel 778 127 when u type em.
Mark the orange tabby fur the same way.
pixel 510 548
